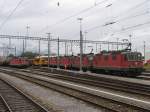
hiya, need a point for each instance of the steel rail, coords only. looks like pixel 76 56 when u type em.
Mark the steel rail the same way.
pixel 122 86
pixel 57 87
pixel 96 81
pixel 23 95
pixel 6 104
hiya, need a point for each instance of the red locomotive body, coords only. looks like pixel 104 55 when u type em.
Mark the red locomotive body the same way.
pixel 65 62
pixel 53 61
pixel 112 62
pixel 75 61
pixel 86 62
pixel 118 62
pixel 19 62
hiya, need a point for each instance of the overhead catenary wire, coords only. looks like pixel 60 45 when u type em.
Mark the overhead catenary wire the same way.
pixel 125 29
pixel 111 23
pixel 135 26
pixel 9 16
pixel 132 9
pixel 134 16
pixel 106 6
pixel 2 5
pixel 119 20
pixel 76 14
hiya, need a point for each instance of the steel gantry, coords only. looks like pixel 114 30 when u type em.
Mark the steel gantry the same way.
pixel 64 40
pixel 5 50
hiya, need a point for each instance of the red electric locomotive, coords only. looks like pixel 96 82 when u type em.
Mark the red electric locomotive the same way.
pixel 75 62
pixel 53 62
pixel 19 62
pixel 112 62
pixel 65 62
pixel 122 62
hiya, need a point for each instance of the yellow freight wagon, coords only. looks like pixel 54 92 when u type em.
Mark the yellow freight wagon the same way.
pixel 40 61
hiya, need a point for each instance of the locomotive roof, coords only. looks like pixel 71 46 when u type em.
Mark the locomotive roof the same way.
pixel 43 56
pixel 115 52
pixel 129 52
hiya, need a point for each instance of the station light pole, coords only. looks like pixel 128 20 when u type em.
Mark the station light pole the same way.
pixel 15 51
pixel 58 53
pixel 39 47
pixel 130 38
pixel 9 45
pixel 144 51
pixel 23 47
pixel 71 49
pixel 49 36
pixel 81 43
pixel 108 46
pixel 27 27
pixel 100 48
pixel 96 47
pixel 65 48
pixel 85 34
pixel 117 43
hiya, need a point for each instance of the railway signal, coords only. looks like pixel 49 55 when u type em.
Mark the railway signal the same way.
pixel 81 43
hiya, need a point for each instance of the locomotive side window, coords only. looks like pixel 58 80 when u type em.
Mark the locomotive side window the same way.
pixel 130 57
pixel 125 57
pixel 139 57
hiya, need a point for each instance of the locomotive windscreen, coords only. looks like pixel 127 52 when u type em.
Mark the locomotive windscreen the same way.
pixel 133 56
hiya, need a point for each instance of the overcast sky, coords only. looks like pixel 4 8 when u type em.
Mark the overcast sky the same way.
pixel 46 16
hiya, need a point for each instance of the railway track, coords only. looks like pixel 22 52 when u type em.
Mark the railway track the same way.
pixel 146 73
pixel 119 85
pixel 3 105
pixel 144 77
pixel 98 97
pixel 14 100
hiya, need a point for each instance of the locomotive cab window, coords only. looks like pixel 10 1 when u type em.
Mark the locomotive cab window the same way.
pixel 134 56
